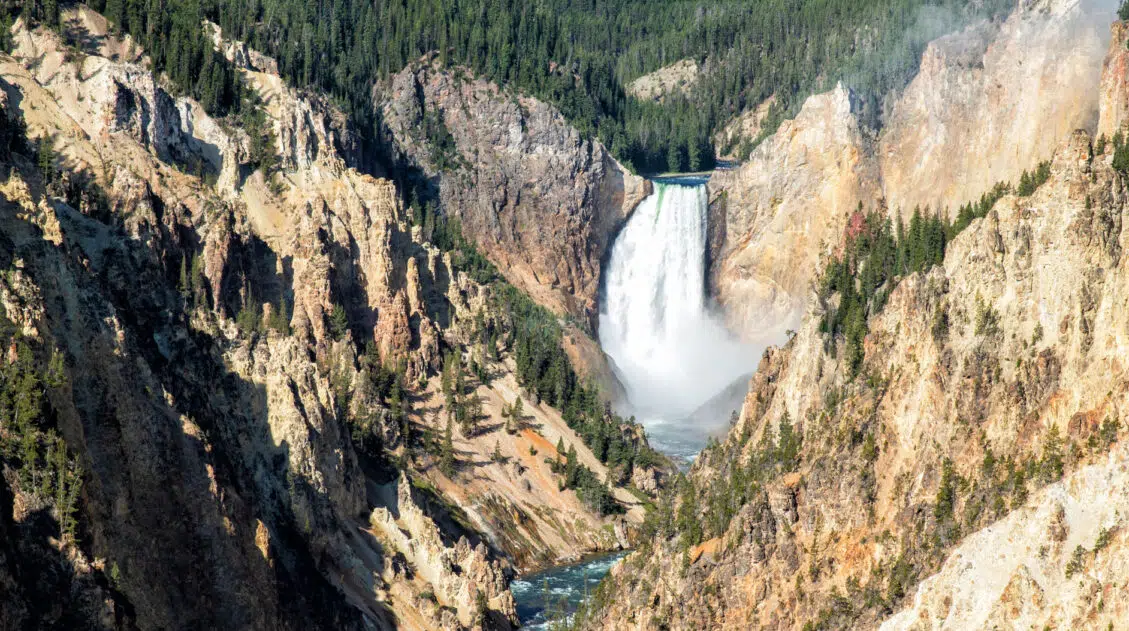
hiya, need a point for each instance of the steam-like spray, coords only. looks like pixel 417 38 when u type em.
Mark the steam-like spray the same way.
pixel 670 351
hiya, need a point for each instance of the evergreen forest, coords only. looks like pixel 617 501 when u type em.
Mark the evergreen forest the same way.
pixel 576 54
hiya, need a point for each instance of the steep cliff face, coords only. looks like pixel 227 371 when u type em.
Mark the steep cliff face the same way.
pixel 1114 103
pixel 992 101
pixel 988 103
pixel 540 201
pixel 181 447
pixel 777 214
pixel 983 380
pixel 234 442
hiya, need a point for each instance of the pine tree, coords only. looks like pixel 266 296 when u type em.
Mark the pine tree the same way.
pixel 56 374
pixel 688 521
pixel 250 316
pixel 397 411
pixel 788 447
pixel 5 47
pixel 51 13
pixel 1120 153
pixel 45 159
pixel 338 322
pixel 946 493
pixel 458 392
pixel 916 245
pixel 1018 487
pixel 196 275
pixel 448 377
pixel 507 413
pixel 695 156
pixel 492 344
pixel 901 265
pixel 674 159
pixel 184 285
pixel 115 13
pixel 571 467
pixel 855 327
pixel 1026 185
pixel 1051 464
pixel 514 414
pixel 280 317
pixel 447 452
pixel 472 415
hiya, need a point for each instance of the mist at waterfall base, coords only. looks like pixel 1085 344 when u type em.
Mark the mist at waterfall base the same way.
pixel 672 353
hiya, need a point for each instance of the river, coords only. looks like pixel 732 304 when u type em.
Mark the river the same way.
pixel 546 596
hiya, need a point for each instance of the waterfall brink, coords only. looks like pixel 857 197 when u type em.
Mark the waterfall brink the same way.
pixel 670 351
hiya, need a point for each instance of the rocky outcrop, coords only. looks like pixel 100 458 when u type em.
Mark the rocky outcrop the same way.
pixel 540 201
pixel 125 99
pixel 746 128
pixel 309 131
pixel 463 577
pixel 1057 562
pixel 778 213
pixel 678 77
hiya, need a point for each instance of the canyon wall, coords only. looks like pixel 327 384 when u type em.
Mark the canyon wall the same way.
pixel 1114 104
pixel 968 473
pixel 992 101
pixel 225 336
pixel 987 104
pixel 988 406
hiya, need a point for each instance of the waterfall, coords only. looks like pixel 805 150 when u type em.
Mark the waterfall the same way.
pixel 669 350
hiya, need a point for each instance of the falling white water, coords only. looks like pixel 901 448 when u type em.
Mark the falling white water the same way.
pixel 670 351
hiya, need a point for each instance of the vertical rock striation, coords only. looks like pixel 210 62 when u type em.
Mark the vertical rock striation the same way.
pixel 780 211
pixel 992 101
pixel 540 201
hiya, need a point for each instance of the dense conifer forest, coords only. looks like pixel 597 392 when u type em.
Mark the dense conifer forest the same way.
pixel 577 54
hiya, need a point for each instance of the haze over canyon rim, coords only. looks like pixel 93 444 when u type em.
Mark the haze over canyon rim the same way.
pixel 336 314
